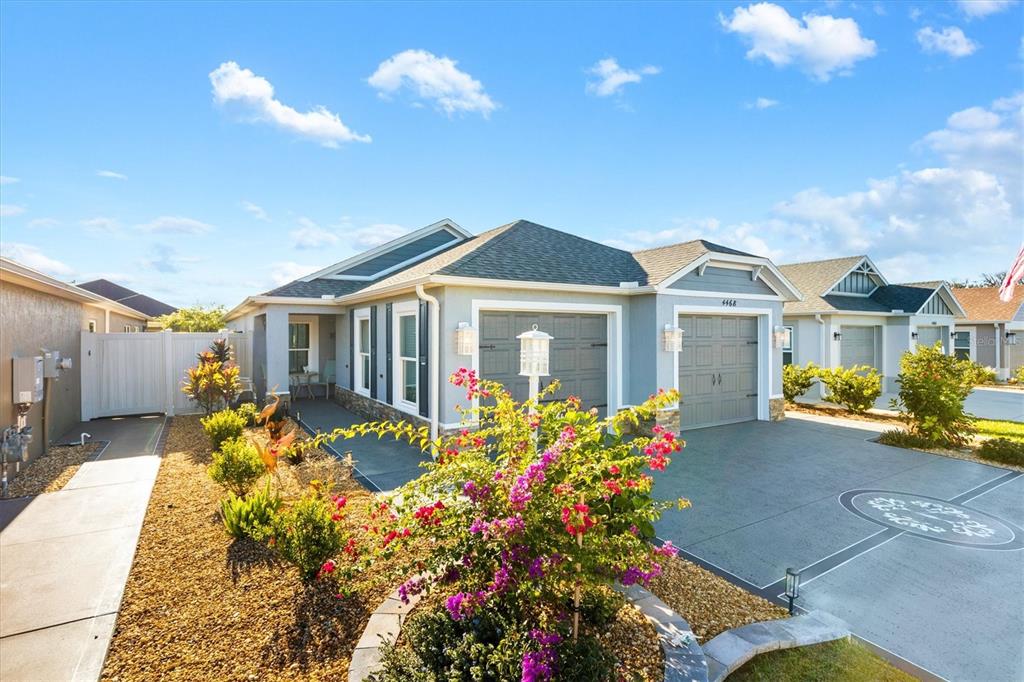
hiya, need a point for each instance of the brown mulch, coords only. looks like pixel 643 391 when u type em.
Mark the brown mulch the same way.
pixel 710 604
pixel 52 471
pixel 967 454
pixel 199 605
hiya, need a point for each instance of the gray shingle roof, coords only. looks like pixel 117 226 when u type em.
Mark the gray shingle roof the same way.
pixel 526 251
pixel 816 277
pixel 115 292
pixel 906 297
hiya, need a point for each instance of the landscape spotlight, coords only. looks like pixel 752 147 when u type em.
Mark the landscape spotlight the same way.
pixel 792 587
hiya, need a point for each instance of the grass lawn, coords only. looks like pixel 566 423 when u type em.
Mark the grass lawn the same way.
pixel 839 661
pixel 1000 429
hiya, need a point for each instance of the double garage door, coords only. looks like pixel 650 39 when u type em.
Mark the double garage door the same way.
pixel 717 370
pixel 579 353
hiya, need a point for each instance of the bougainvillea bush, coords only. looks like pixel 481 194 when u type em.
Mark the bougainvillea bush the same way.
pixel 538 505
pixel 933 387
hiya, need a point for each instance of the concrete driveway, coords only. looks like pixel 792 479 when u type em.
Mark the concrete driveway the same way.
pixel 921 554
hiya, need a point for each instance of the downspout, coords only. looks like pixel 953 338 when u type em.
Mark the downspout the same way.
pixel 435 357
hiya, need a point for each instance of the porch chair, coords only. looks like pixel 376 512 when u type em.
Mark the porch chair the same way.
pixel 327 377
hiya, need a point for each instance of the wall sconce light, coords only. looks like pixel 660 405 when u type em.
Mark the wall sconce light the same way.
pixel 672 339
pixel 1011 338
pixel 952 333
pixel 792 587
pixel 837 336
pixel 465 339
pixel 781 337
pixel 913 335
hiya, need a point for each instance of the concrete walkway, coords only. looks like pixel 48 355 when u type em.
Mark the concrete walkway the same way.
pixel 985 403
pixel 64 559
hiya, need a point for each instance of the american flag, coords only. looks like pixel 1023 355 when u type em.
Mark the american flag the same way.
pixel 1013 275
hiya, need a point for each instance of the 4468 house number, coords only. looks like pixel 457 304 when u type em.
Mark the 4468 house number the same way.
pixel 729 302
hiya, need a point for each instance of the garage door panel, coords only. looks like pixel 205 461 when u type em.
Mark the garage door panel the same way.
pixel 696 413
pixel 593 328
pixel 592 358
pixel 562 360
pixel 495 327
pixel 857 346
pixel 718 369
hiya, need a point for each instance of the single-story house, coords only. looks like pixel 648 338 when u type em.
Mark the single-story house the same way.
pixel 993 332
pixel 850 315
pixel 388 326
pixel 148 306
pixel 40 312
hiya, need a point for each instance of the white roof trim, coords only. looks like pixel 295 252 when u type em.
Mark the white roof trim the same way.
pixel 16 273
pixel 865 259
pixel 445 224
pixel 775 279
pixel 949 297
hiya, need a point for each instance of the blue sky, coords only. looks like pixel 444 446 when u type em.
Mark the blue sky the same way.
pixel 204 152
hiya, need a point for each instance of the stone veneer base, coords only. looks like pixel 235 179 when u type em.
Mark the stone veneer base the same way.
pixel 374 410
pixel 776 409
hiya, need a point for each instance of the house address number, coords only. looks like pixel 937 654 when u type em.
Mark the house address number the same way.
pixel 729 302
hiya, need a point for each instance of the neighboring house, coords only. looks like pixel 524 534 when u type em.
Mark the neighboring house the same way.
pixel 993 333
pixel 370 318
pixel 150 307
pixel 850 315
pixel 39 312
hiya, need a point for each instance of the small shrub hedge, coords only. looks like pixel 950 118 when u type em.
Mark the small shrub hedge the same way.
pixel 1018 375
pixel 251 516
pixel 797 380
pixel 982 375
pixel 223 425
pixel 855 388
pixel 933 387
pixel 1003 450
pixel 904 439
pixel 237 466
pixel 307 533
pixel 248 412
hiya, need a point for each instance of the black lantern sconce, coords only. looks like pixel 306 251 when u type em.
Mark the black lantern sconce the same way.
pixel 1011 338
pixel 913 335
pixel 792 587
pixel 837 336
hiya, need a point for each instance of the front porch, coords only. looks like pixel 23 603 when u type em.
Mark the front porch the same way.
pixel 295 353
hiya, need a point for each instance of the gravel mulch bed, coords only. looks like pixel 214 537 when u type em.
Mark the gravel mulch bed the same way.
pixel 199 605
pixel 967 454
pixel 634 641
pixel 52 471
pixel 709 603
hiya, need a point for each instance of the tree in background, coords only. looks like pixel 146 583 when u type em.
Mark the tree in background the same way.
pixel 194 319
pixel 987 279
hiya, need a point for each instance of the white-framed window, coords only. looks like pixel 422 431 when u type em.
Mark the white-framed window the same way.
pixel 302 343
pixel 127 329
pixel 92 326
pixel 962 345
pixel 363 367
pixel 787 345
pixel 406 355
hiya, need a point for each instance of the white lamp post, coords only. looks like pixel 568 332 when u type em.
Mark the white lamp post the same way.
pixel 533 357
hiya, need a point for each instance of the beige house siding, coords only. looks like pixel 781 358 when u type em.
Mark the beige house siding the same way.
pixel 93 313
pixel 33 320
pixel 118 321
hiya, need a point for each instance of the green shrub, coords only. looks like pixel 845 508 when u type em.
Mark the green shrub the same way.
pixel 224 425
pixel 980 374
pixel 251 516
pixel 855 388
pixel 904 439
pixel 933 387
pixel 796 380
pixel 1018 375
pixel 1003 450
pixel 248 412
pixel 237 466
pixel 307 533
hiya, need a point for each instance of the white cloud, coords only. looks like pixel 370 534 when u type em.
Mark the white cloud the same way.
pixel 32 257
pixel 166 259
pixel 976 9
pixel 762 103
pixel 40 223
pixel 8 180
pixel 743 236
pixel 231 83
pixel 434 78
pixel 255 211
pixel 11 210
pixel 166 224
pixel 610 78
pixel 950 40
pixel 283 272
pixel 111 174
pixel 100 224
pixel 821 45
pixel 309 235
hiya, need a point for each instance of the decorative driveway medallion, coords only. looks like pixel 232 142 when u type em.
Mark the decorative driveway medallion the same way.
pixel 933 519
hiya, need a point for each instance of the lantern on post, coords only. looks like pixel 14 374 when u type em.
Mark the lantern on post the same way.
pixel 672 339
pixel 465 339
pixel 534 357
pixel 782 337
pixel 792 587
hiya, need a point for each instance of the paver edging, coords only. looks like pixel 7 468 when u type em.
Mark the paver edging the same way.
pixel 727 652
pixel 684 659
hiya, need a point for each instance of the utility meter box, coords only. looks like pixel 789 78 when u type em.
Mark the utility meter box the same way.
pixel 53 364
pixel 27 380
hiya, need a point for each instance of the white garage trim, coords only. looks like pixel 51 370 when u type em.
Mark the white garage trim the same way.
pixel 764 348
pixel 614 313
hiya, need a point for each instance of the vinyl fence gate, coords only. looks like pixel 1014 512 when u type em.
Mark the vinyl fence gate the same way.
pixel 142 373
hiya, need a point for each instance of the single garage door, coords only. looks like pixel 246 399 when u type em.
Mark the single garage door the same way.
pixel 717 370
pixel 929 336
pixel 579 353
pixel 857 346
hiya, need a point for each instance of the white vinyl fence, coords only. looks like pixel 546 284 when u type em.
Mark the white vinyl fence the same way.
pixel 142 373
